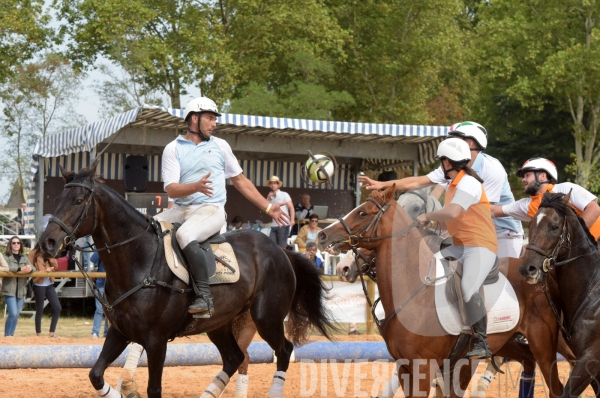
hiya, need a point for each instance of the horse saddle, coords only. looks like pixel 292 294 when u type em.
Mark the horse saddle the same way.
pixel 499 296
pixel 225 269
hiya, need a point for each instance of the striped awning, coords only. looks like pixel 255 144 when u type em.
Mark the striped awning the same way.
pixel 86 138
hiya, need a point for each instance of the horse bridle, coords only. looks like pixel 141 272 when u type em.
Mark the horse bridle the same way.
pixel 357 236
pixel 550 263
pixel 69 243
pixel 69 240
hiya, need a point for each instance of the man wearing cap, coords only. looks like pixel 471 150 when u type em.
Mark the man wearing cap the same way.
pixel 539 176
pixel 280 233
pixel 194 169
pixel 495 182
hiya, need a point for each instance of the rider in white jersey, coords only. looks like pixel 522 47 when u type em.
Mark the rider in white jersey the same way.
pixel 194 169
pixel 495 182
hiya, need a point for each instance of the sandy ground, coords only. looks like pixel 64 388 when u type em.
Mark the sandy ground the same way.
pixel 303 379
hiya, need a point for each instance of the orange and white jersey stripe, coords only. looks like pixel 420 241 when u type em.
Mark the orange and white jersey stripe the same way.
pixel 525 209
pixel 474 226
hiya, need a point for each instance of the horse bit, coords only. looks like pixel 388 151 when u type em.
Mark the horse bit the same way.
pixel 550 263
pixel 69 243
pixel 355 237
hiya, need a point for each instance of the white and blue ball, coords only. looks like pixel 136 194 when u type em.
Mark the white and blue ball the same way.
pixel 320 169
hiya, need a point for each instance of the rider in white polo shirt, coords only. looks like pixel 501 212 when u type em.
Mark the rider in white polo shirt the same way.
pixel 194 169
pixel 495 182
pixel 539 176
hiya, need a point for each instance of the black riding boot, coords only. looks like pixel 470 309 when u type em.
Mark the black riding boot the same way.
pixel 198 261
pixel 477 318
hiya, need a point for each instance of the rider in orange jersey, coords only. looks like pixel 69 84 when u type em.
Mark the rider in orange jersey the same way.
pixel 539 176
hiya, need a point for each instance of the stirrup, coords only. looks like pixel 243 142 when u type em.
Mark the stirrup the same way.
pixel 480 351
pixel 202 306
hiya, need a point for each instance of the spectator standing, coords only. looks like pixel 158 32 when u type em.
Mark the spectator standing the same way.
pixel 43 288
pixel 308 233
pixel 311 253
pixel 279 234
pixel 100 282
pixel 15 289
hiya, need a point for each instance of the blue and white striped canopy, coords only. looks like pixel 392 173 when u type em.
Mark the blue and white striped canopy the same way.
pixel 86 138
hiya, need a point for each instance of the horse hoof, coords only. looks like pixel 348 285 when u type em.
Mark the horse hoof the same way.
pixel 134 394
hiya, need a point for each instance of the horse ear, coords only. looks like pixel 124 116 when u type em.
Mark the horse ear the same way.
pixel 389 193
pixel 67 175
pixel 567 197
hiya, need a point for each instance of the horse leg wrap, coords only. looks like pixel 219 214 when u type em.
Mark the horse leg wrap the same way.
pixel 133 358
pixel 108 392
pixel 392 385
pixel 526 385
pixel 484 381
pixel 241 386
pixel 216 387
pixel 276 390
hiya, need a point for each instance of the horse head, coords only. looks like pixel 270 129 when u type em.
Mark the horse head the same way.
pixel 555 233
pixel 368 220
pixel 418 201
pixel 76 213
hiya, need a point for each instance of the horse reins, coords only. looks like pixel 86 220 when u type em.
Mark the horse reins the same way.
pixel 69 243
pixel 354 239
pixel 550 263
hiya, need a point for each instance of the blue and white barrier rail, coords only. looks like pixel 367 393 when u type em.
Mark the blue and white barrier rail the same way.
pixel 84 356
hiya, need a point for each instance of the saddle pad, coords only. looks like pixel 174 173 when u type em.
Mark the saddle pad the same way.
pixel 222 273
pixel 500 301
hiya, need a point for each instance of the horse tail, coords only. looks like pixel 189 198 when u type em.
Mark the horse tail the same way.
pixel 308 308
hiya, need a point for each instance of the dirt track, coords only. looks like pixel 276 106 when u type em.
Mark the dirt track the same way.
pixel 325 380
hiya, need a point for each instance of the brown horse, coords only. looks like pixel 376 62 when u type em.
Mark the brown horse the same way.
pixel 562 246
pixel 403 265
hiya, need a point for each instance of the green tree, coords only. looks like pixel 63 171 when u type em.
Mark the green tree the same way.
pixel 406 60
pixel 38 100
pixel 545 52
pixel 23 32
pixel 307 97
pixel 170 41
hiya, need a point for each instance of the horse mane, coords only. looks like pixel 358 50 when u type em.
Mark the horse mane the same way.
pixel 556 201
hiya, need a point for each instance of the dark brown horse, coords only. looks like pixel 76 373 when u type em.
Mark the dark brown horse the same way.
pixel 560 245
pixel 147 304
pixel 402 265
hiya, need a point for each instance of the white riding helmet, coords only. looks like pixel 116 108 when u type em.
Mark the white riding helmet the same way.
pixel 200 104
pixel 539 164
pixel 454 149
pixel 471 130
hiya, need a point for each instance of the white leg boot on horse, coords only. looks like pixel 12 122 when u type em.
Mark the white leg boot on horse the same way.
pixel 217 386
pixel 276 390
pixel 198 260
pixel 109 392
pixel 126 384
pixel 389 390
pixel 241 386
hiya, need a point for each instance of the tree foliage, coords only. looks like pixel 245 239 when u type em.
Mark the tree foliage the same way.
pixel 39 99
pixel 23 31
pixel 403 56
pixel 543 52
